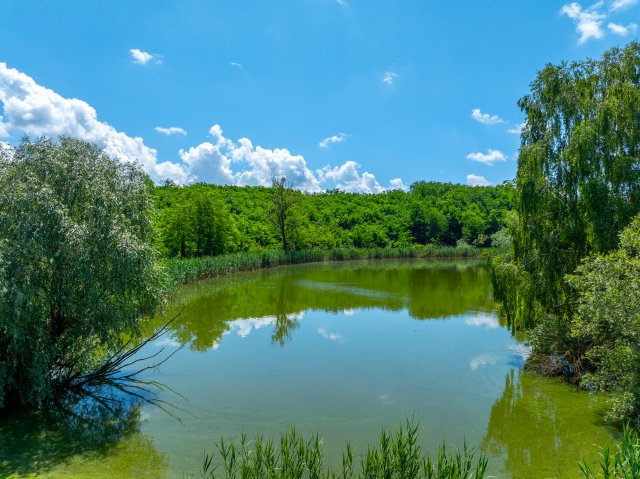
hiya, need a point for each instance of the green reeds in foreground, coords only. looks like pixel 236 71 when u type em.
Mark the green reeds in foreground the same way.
pixel 398 455
pixel 186 270
pixel 624 463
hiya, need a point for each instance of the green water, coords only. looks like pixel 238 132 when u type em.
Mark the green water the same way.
pixel 341 349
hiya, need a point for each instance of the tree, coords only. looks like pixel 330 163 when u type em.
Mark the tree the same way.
pixel 284 200
pixel 578 181
pixel 606 323
pixel 76 266
pixel 196 224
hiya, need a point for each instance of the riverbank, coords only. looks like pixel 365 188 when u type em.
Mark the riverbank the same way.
pixel 186 270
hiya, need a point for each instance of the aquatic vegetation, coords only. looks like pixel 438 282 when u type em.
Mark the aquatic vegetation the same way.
pixel 398 455
pixel 624 463
pixel 187 270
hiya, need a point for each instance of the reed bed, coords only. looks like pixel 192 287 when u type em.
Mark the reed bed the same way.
pixel 186 270
pixel 397 456
pixel 623 463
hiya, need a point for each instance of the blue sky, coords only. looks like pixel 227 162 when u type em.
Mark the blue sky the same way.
pixel 360 94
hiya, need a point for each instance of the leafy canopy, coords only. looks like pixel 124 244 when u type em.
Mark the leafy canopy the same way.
pixel 76 265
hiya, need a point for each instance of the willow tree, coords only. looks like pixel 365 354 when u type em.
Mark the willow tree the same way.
pixel 76 266
pixel 578 179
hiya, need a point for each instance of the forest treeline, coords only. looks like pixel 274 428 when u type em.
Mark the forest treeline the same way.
pixel 205 220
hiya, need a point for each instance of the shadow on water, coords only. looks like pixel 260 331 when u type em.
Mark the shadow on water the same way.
pixel 37 442
pixel 428 289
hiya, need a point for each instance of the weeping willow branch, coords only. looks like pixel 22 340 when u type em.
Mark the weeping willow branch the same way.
pixel 119 375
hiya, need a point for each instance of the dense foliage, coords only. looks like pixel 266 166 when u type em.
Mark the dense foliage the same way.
pixel 578 181
pixel 76 265
pixel 606 323
pixel 431 213
pixel 577 188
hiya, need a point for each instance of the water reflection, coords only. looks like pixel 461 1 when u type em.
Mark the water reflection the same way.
pixel 541 427
pixel 426 289
pixel 354 360
pixel 37 442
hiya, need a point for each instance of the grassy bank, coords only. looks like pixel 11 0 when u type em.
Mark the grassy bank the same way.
pixel 187 270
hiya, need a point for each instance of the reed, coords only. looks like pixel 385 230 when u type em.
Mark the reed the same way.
pixel 624 463
pixel 186 270
pixel 397 456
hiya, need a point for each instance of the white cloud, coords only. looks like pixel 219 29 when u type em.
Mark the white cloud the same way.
pixel 342 2
pixel 32 109
pixel 207 163
pixel 339 138
pixel 485 118
pixel 262 164
pixel 475 180
pixel 240 66
pixel 622 4
pixel 488 158
pixel 621 30
pixel 172 171
pixel 172 130
pixel 142 58
pixel 588 22
pixel 347 177
pixel 390 77
pixel 397 184
pixel 329 335
pixel 516 129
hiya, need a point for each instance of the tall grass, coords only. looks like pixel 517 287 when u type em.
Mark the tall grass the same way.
pixel 186 270
pixel 398 455
pixel 624 463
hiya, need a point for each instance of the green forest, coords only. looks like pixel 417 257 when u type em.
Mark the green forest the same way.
pixel 205 220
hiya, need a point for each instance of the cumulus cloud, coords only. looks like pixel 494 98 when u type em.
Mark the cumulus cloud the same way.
pixel 390 77
pixel 31 109
pixel 207 163
pixel 475 180
pixel 142 58
pixel 35 110
pixel 172 130
pixel 622 4
pixel 240 66
pixel 339 138
pixel 485 118
pixel 397 184
pixel 488 158
pixel 588 22
pixel 622 30
pixel 347 177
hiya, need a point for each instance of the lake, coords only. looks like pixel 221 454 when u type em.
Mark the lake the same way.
pixel 341 349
